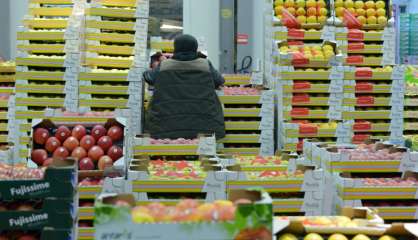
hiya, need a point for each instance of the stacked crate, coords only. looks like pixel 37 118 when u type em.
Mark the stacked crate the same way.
pixel 115 57
pixel 374 109
pixel 48 60
pixel 366 179
pixel 7 102
pixel 249 121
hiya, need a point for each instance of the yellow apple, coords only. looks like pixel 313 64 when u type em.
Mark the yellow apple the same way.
pixel 360 12
pixel 311 11
pixel 328 54
pixel 348 4
pixel 311 19
pixel 359 4
pixel 278 10
pixel 337 236
pixel 278 3
pixel 301 19
pixel 291 10
pixel 380 4
pixel 322 19
pixel 310 3
pixel 371 12
pixel 339 11
pixel 352 10
pixel 381 12
pixel 362 19
pixel 361 237
pixel 284 49
pixel 313 236
pixel 289 3
pixel 387 237
pixel 369 4
pixel 288 236
pixel 339 3
pixel 294 48
pixel 371 20
pixel 323 12
pixel 300 11
pixel 327 48
pixel 321 4
pixel 317 48
pixel 382 20
pixel 300 3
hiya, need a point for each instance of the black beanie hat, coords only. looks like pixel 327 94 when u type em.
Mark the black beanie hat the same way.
pixel 185 43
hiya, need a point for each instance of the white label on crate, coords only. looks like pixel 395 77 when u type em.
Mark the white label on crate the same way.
pixel 336 86
pixel 72 60
pixel 267 110
pixel 142 10
pixel 267 123
pixel 266 135
pixel 72 46
pixel 141 25
pixel 257 78
pixel 207 146
pixel 71 74
pixel 267 149
pixel 388 58
pixel 409 162
pixel 334 114
pixel 337 73
pixel 140 61
pixel 267 97
pixel 328 33
pixel 72 32
pixel 21 54
pixel 21 69
pixel 135 88
pixel 215 182
pixel 398 73
pixel 135 74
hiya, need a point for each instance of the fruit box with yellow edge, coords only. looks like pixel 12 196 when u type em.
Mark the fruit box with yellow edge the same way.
pixel 313 55
pixel 351 221
pixel 251 220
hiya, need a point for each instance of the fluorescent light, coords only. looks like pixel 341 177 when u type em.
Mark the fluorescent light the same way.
pixel 166 26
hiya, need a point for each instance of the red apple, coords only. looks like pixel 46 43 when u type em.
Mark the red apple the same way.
pixel 25 207
pixel 71 143
pixel 95 153
pixel 79 153
pixel 105 162
pixel 87 142
pixel 39 156
pixel 98 131
pixel 86 164
pixel 115 153
pixel 79 131
pixel 105 142
pixel 40 136
pixel 60 153
pixel 27 237
pixel 115 132
pixel 51 144
pixel 62 133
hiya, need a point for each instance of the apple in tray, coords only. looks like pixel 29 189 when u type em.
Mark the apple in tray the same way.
pixel 274 175
pixel 260 161
pixel 184 170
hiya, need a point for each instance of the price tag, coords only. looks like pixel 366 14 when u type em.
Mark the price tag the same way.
pixel 257 78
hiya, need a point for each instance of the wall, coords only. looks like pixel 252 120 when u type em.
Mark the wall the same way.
pixel 18 9
pixel 201 19
pixel 4 27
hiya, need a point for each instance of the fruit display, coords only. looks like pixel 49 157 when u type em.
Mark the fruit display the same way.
pixel 94 147
pixel 260 163
pixel 307 55
pixel 178 141
pixel 237 79
pixel 175 170
pixel 233 91
pixel 307 13
pixel 20 172
pixel 274 175
pixel 210 219
pixel 369 14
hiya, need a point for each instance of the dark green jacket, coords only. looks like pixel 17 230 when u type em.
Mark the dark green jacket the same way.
pixel 184 103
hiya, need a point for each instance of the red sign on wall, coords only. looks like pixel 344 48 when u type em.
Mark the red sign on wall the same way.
pixel 242 39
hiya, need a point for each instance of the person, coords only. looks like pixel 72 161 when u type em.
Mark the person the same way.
pixel 184 102
pixel 156 59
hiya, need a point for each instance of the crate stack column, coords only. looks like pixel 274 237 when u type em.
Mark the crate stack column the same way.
pixel 116 57
pixel 8 127
pixel 47 58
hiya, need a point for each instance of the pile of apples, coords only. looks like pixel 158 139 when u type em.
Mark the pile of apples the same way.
pixel 20 172
pixel 106 114
pixel 335 236
pixel 91 182
pixel 19 236
pixel 367 12
pixel 259 160
pixel 305 11
pixel 395 182
pixel 314 52
pixel 187 210
pixel 272 175
pixel 369 152
pixel 179 141
pixel 239 91
pixel 165 170
pixel 92 147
